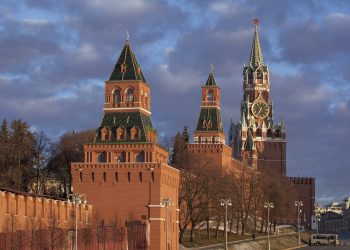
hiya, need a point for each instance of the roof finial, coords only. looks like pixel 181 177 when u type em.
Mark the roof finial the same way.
pixel 256 21
pixel 127 36
pixel 212 69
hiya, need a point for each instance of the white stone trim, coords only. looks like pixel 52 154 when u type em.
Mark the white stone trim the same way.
pixel 267 139
pixel 210 107
pixel 129 108
pixel 258 88
pixel 155 206
pixel 157 219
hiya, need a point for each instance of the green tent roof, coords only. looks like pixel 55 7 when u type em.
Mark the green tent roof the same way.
pixel 128 63
pixel 127 120
pixel 209 114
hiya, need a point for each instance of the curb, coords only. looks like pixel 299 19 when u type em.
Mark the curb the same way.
pixel 297 247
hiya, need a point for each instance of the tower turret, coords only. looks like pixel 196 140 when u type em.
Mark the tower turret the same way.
pixel 209 128
pixel 259 139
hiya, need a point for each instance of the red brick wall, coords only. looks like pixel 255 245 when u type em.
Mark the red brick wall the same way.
pixel 126 200
pixel 23 209
pixel 305 188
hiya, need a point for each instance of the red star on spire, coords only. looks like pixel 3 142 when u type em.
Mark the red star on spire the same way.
pixel 256 21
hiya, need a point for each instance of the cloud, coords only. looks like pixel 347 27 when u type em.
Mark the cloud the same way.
pixel 316 42
pixel 55 56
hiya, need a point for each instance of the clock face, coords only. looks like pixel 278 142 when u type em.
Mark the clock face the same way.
pixel 260 109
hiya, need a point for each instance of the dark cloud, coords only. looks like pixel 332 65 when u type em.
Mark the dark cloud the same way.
pixel 316 41
pixel 55 57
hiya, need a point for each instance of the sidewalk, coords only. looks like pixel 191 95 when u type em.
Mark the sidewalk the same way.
pixel 231 243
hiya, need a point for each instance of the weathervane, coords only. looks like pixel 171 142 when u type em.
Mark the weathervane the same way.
pixel 127 35
pixel 212 69
pixel 256 21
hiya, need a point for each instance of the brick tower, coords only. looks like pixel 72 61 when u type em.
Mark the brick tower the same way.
pixel 256 138
pixel 208 138
pixel 209 127
pixel 125 173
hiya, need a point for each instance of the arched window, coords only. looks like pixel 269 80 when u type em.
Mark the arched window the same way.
pixel 130 95
pixel 259 74
pixel 92 176
pixel 121 133
pixel 250 74
pixel 102 157
pixel 140 157
pixel 210 124
pixel 152 176
pixel 269 133
pixel 258 132
pixel 210 96
pixel 278 133
pixel 81 176
pixel 140 176
pixel 104 176
pixel 146 101
pixel 135 133
pixel 116 177
pixel 129 177
pixel 105 134
pixel 116 96
pixel 121 157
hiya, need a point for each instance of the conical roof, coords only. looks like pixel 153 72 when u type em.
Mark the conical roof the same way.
pixel 256 57
pixel 211 79
pixel 127 67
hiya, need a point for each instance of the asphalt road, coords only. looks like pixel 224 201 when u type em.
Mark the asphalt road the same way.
pixel 326 248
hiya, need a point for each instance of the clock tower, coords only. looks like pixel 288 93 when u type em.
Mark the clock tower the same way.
pixel 256 138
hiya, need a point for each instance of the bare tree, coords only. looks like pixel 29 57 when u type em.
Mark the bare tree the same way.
pixel 115 233
pixel 98 226
pixel 70 148
pixel 192 190
pixel 43 154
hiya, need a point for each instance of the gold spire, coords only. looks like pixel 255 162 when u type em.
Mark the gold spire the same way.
pixel 256 58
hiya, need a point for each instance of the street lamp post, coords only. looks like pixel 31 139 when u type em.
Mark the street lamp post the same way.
pixel 149 205
pixel 166 202
pixel 299 204
pixel 226 202
pixel 76 199
pixel 317 216
pixel 268 205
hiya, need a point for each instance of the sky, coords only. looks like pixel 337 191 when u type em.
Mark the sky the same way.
pixel 56 55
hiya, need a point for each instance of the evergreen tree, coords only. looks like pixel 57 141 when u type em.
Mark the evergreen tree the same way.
pixel 22 146
pixel 179 155
pixel 4 149
pixel 185 136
